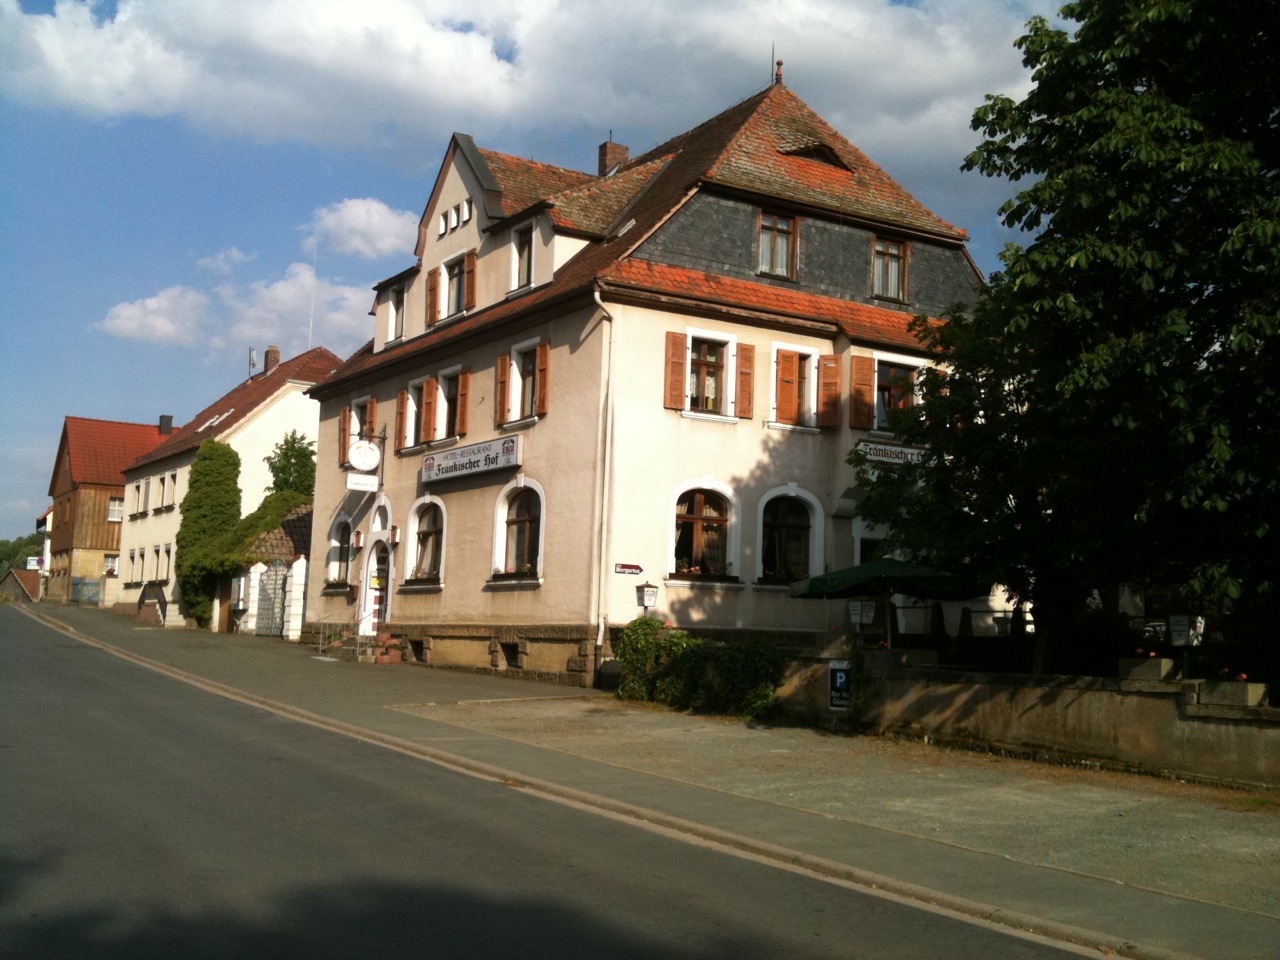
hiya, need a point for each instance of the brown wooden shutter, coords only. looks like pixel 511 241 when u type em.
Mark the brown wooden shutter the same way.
pixel 828 390
pixel 469 281
pixel 542 383
pixel 402 419
pixel 433 295
pixel 371 424
pixel 502 372
pixel 746 398
pixel 430 389
pixel 673 394
pixel 464 395
pixel 344 434
pixel 788 398
pixel 862 384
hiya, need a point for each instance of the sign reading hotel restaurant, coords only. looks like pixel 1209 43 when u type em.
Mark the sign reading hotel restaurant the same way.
pixel 890 453
pixel 473 458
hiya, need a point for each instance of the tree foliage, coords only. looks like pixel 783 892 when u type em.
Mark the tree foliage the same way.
pixel 1108 411
pixel 210 511
pixel 14 553
pixel 292 464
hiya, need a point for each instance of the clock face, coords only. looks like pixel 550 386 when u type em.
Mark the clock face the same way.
pixel 363 455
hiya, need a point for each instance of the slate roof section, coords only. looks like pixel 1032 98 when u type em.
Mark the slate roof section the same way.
pixel 288 541
pixel 750 147
pixel 231 408
pixel 99 451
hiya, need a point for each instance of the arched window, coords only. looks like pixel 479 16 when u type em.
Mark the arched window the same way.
pixel 524 519
pixel 429 542
pixel 784 548
pixel 702 533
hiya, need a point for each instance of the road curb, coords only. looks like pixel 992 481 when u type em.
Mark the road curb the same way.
pixel 960 906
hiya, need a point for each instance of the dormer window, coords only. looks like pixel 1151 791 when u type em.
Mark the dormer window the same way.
pixel 777 245
pixel 523 253
pixel 395 319
pixel 889 269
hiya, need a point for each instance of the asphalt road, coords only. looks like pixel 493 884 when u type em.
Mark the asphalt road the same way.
pixel 141 817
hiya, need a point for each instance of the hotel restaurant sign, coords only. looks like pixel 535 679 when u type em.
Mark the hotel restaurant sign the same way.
pixel 473 458
pixel 890 453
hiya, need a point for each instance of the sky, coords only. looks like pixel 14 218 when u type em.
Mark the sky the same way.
pixel 185 181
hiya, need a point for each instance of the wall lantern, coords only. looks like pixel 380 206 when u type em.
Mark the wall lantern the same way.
pixel 646 596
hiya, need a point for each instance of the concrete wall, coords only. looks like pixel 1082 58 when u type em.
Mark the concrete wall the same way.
pixel 1171 733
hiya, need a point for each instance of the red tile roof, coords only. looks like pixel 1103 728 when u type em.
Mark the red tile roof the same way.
pixel 28 580
pixel 858 321
pixel 231 408
pixel 99 451
pixel 763 145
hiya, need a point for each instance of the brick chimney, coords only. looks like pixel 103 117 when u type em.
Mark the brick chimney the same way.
pixel 612 154
pixel 166 424
pixel 272 359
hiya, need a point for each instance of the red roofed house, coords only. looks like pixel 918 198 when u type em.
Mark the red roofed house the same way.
pixel 252 419
pixel 87 488
pixel 651 373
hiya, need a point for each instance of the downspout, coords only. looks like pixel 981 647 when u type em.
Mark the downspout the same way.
pixel 603 494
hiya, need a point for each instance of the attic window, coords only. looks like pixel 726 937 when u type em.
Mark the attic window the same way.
pixel 819 153
pixel 214 421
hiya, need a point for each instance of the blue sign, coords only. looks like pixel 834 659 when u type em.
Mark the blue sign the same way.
pixel 840 678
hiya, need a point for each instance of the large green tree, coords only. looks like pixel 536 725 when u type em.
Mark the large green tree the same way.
pixel 210 511
pixel 1108 411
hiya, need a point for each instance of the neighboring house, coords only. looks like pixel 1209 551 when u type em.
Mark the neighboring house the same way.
pixel 46 553
pixel 251 419
pixel 655 373
pixel 87 487
pixel 20 586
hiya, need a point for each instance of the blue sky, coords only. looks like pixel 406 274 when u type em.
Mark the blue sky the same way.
pixel 173 169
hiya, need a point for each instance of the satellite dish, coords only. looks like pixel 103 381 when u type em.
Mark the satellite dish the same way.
pixel 363 455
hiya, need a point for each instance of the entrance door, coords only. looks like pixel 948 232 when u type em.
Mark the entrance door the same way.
pixel 378 585
pixel 270 622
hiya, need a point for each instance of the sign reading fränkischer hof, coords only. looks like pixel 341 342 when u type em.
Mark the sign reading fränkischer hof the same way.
pixel 473 458
pixel 890 452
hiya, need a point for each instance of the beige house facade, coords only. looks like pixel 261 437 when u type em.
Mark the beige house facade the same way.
pixel 252 418
pixel 650 375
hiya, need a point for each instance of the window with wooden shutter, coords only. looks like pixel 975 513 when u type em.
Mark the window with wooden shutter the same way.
pixel 673 393
pixel 433 295
pixel 746 386
pixel 787 387
pixel 862 380
pixel 430 389
pixel 542 377
pixel 371 419
pixel 402 410
pixel 344 434
pixel 469 294
pixel 502 373
pixel 828 391
pixel 464 396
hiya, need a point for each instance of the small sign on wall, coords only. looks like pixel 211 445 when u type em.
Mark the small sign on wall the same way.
pixel 839 681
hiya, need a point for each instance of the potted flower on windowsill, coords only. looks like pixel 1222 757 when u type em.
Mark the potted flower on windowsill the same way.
pixel 520 571
pixel 703 572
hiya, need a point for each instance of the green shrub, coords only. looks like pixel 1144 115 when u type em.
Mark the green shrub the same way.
pixel 674 668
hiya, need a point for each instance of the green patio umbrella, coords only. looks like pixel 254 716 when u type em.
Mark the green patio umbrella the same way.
pixel 887 576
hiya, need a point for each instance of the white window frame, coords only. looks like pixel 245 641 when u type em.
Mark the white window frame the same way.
pixel 441 403
pixel 515 382
pixel 517 281
pixel 733 535
pixel 500 505
pixel 729 410
pixel 413 413
pixel 111 565
pixel 395 313
pixel 904 254
pixel 115 510
pixel 359 413
pixel 460 261
pixel 411 540
pixel 810 420
pixel 897 359
pixel 817 527
pixel 333 562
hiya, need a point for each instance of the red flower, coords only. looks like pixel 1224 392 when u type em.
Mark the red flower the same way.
pixel 1242 676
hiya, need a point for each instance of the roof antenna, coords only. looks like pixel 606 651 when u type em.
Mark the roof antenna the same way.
pixel 777 77
pixel 773 51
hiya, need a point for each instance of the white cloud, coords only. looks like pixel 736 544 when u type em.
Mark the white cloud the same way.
pixel 173 316
pixel 224 261
pixel 363 228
